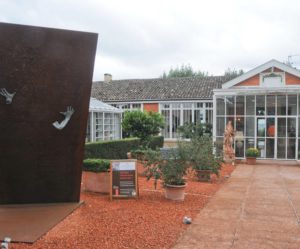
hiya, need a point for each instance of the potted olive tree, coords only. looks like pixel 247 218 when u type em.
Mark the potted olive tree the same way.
pixel 95 175
pixel 170 170
pixel 251 155
pixel 199 152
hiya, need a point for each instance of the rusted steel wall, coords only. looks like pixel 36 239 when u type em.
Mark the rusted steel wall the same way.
pixel 49 70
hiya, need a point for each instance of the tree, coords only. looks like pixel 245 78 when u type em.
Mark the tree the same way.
pixel 142 124
pixel 184 71
pixel 233 72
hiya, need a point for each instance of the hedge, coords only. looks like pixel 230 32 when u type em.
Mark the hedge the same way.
pixel 96 165
pixel 154 142
pixel 114 149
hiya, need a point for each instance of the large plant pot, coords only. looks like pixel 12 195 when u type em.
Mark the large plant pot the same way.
pixel 95 182
pixel 174 192
pixel 203 175
pixel 251 160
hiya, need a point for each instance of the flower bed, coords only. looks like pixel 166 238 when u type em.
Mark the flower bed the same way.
pixel 149 222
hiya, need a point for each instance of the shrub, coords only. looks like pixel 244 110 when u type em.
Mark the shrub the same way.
pixel 153 142
pixel 199 152
pixel 96 165
pixel 142 124
pixel 194 131
pixel 115 149
pixel 252 152
pixel 170 171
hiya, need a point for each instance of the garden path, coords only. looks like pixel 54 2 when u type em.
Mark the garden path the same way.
pixel 258 207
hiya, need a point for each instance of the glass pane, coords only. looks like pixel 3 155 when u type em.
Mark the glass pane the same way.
pixel 220 106
pixel 209 117
pixel 281 105
pixel 240 124
pixel 250 102
pixel 270 127
pixel 281 148
pixel 187 116
pixel 166 130
pixel 230 105
pixel 240 105
pixel 261 147
pixel 271 105
pixel 220 126
pixel 281 129
pixel 187 105
pixel 291 148
pixel 261 127
pixel 250 143
pixel 298 149
pixel 219 145
pixel 250 126
pixel 199 116
pixel 260 105
pixel 292 104
pixel 291 127
pixel 270 148
pixel 299 129
pixel 175 122
pixel 239 148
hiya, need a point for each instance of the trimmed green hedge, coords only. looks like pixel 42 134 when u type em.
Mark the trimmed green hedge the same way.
pixel 96 165
pixel 114 149
pixel 154 142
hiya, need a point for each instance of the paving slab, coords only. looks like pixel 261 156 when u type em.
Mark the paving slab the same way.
pixel 258 207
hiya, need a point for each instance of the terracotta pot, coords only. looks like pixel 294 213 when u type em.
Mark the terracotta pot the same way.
pixel 251 160
pixel 95 182
pixel 174 192
pixel 203 175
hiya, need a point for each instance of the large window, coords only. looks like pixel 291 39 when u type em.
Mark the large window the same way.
pixel 268 122
pixel 177 113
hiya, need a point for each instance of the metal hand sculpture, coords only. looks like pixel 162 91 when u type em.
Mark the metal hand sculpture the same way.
pixel 67 115
pixel 8 96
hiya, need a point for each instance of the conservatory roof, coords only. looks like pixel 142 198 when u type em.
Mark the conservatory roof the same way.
pixel 99 106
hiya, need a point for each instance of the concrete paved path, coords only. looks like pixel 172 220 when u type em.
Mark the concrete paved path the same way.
pixel 259 207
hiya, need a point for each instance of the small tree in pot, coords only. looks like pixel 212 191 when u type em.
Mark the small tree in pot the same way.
pixel 251 155
pixel 171 171
pixel 199 153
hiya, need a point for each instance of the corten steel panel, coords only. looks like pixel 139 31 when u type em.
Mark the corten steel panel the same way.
pixel 49 69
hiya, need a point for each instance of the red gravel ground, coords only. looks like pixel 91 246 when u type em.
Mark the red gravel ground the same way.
pixel 148 222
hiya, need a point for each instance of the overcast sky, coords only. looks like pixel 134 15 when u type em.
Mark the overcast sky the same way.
pixel 141 39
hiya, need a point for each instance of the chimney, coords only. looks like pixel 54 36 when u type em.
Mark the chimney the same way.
pixel 107 78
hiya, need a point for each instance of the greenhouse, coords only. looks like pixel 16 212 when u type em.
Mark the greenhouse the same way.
pixel 104 122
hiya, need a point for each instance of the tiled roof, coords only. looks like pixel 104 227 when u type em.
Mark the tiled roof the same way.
pixel 183 88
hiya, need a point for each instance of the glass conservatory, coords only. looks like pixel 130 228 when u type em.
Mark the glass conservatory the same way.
pixel 264 108
pixel 104 122
pixel 267 122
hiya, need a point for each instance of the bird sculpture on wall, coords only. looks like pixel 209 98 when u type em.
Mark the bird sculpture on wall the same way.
pixel 8 96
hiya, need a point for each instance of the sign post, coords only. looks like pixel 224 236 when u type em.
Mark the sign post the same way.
pixel 123 179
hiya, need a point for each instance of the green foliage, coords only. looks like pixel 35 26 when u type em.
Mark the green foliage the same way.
pixel 184 71
pixel 199 153
pixel 114 149
pixel 96 165
pixel 233 72
pixel 170 171
pixel 153 142
pixel 142 124
pixel 191 130
pixel 252 152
